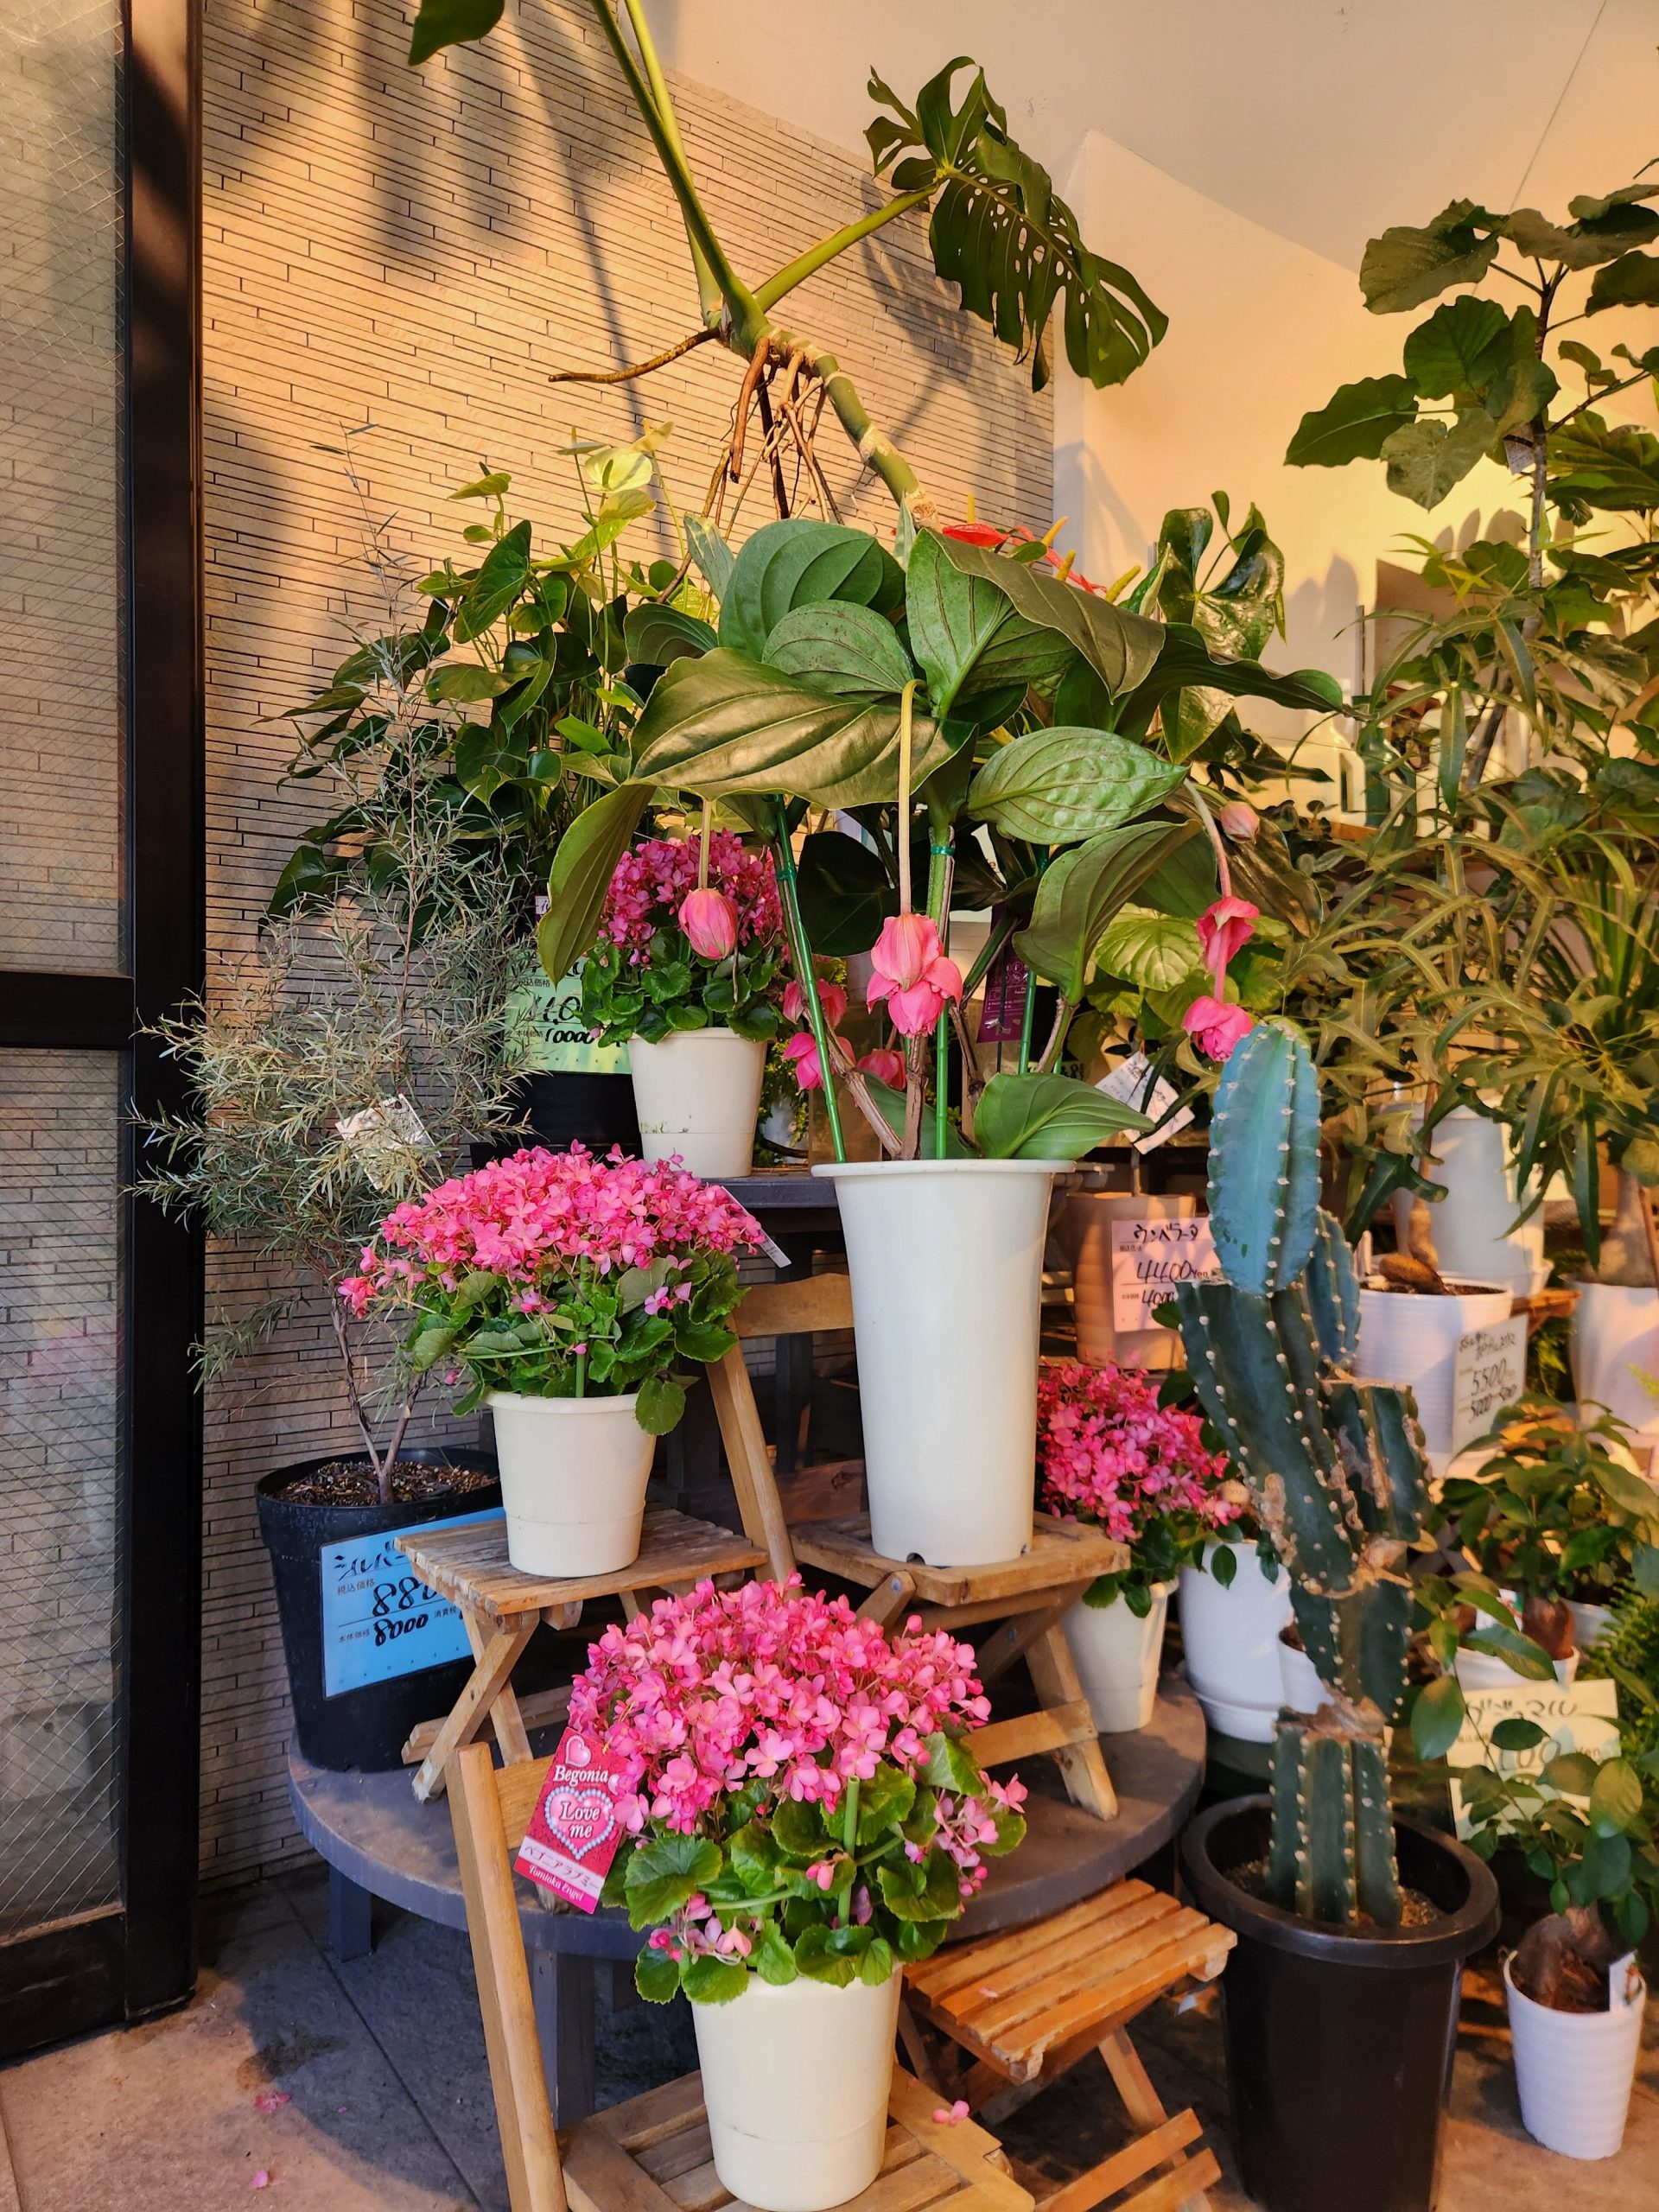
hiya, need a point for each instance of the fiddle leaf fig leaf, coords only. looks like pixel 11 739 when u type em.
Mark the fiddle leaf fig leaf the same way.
pixel 1354 423
pixel 1408 264
pixel 1632 281
pixel 1426 459
pixel 1459 349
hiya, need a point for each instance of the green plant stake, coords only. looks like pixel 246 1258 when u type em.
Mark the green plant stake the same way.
pixel 1337 1466
pixel 800 952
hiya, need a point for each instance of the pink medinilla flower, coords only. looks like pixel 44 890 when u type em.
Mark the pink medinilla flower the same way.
pixel 709 920
pixel 1223 929
pixel 802 1051
pixel 1240 820
pixel 831 998
pixel 915 979
pixel 886 1066
pixel 1216 1027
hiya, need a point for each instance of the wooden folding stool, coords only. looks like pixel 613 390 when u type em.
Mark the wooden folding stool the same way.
pixel 1028 1595
pixel 653 2154
pixel 1017 2011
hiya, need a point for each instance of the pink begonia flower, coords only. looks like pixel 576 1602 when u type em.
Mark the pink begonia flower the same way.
pixel 886 1066
pixel 916 980
pixel 953 2118
pixel 1223 929
pixel 831 998
pixel 709 920
pixel 272 2100
pixel 650 881
pixel 1240 820
pixel 1216 1028
pixel 261 2179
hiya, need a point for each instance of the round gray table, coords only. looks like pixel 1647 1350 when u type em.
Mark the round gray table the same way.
pixel 379 1841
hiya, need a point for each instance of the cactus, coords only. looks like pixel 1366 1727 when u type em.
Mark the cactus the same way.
pixel 1337 1466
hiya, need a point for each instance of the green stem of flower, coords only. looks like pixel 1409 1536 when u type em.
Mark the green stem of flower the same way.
pixel 850 1826
pixel 582 1374
pixel 1027 1022
pixel 708 832
pixel 800 953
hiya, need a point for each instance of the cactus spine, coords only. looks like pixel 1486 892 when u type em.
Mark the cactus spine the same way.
pixel 1336 1467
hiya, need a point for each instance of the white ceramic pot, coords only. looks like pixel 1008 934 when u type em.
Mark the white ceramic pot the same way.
pixel 794 2079
pixel 1472 1232
pixel 1231 1640
pixel 1614 1332
pixel 1574 2071
pixel 946 1259
pixel 573 1481
pixel 697 1093
pixel 1117 1658
pixel 1479 1670
pixel 1298 1679
pixel 1590 1623
pixel 1410 1338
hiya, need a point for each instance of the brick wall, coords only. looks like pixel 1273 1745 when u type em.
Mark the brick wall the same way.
pixel 418 251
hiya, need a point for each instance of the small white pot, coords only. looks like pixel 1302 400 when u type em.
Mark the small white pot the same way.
pixel 1299 1680
pixel 573 1481
pixel 1479 1670
pixel 1232 1639
pixel 1590 1623
pixel 795 2080
pixel 1117 1658
pixel 697 1093
pixel 1472 1231
pixel 946 1259
pixel 1410 1338
pixel 1615 1330
pixel 1574 2071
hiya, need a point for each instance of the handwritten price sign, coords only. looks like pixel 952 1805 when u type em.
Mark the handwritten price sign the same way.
pixel 379 1618
pixel 1149 1257
pixel 1490 1373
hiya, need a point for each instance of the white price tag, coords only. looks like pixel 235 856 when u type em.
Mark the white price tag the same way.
pixel 1126 1083
pixel 1149 1257
pixel 1490 1373
pixel 1574 1716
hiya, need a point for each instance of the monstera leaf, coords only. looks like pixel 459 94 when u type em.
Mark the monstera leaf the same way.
pixel 1001 233
pixel 728 724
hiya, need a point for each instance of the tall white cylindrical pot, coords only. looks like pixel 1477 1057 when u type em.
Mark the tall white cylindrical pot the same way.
pixel 795 2080
pixel 697 1093
pixel 1117 1656
pixel 573 1481
pixel 1613 1333
pixel 1575 2070
pixel 1471 1232
pixel 1231 1637
pixel 946 1259
pixel 1410 1338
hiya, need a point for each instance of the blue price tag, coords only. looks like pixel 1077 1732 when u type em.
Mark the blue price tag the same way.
pixel 379 1620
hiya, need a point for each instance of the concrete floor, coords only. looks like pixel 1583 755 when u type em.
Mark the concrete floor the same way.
pixel 387 2100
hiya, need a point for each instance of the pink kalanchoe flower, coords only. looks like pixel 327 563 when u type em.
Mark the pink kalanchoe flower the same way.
pixel 1216 1027
pixel 886 1066
pixel 1110 1453
pixel 831 998
pixel 1222 929
pixel 1240 820
pixel 709 920
pixel 912 976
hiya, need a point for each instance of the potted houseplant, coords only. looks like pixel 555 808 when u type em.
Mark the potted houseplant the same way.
pixel 347 1061
pixel 685 971
pixel 1473 1226
pixel 1341 2004
pixel 561 1292
pixel 1411 1319
pixel 1235 1600
pixel 805 1814
pixel 1585 1826
pixel 1558 1513
pixel 1109 1452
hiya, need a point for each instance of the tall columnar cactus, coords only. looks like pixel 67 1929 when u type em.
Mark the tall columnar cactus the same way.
pixel 1337 1466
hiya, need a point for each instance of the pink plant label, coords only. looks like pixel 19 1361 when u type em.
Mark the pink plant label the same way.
pixel 573 1833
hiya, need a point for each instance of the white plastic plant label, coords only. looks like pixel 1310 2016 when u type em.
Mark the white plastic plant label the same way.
pixel 1126 1083
pixel 1574 1716
pixel 1490 1373
pixel 1149 1257
pixel 388 1141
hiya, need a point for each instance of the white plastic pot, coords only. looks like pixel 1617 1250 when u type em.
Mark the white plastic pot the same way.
pixel 1575 2070
pixel 795 2080
pixel 1231 1640
pixel 573 1481
pixel 1614 1332
pixel 1298 1679
pixel 1471 1232
pixel 946 1259
pixel 1479 1670
pixel 697 1093
pixel 1410 1338
pixel 1117 1658
pixel 1590 1623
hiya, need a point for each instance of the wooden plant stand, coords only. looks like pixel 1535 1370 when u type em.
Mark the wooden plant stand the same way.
pixel 1028 1595
pixel 1016 2010
pixel 652 2154
pixel 502 1609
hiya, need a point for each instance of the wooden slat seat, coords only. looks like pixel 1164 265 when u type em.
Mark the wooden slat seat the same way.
pixel 1061 1553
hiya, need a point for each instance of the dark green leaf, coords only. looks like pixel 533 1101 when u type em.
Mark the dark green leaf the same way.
pixel 708 1980
pixel 1407 265
pixel 663 1873
pixel 1121 648
pixel 966 633
pixel 461 682
pixel 1631 282
pixel 1437 1716
pixel 1459 349
pixel 1573 1773
pixel 845 894
pixel 1518 1735
pixel 500 579
pixel 796 562
pixel 581 874
pixel 657 1976
pixel 658 634
pixel 1353 423
pixel 846 652
pixel 449 22
pixel 1056 785
pixel 884 1802
pixel 1615 1798
pixel 662 1403
pixel 1083 890
pixel 1426 459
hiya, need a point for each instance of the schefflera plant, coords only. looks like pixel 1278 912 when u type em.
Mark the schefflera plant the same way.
pixel 1337 1466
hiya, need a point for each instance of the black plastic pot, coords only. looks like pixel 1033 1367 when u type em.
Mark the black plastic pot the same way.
pixel 362 1730
pixel 568 1107
pixel 1339 2045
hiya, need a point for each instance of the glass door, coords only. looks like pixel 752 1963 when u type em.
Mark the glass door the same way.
pixel 100 928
